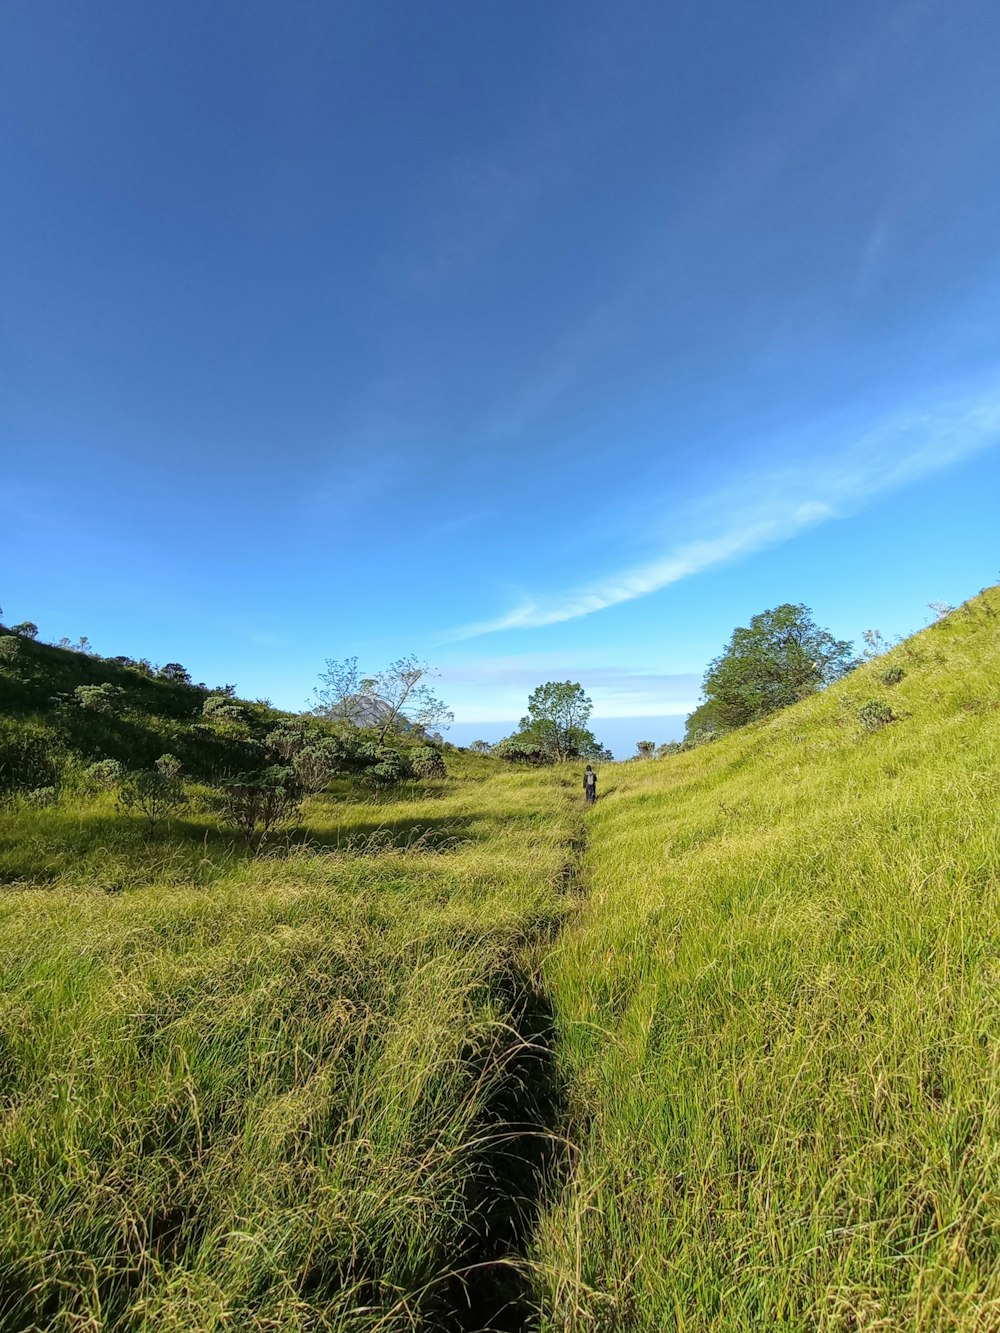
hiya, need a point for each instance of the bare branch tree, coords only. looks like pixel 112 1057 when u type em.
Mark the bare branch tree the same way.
pixel 337 694
pixel 398 698
pixel 405 695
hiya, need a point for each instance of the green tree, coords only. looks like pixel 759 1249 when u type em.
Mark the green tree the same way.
pixel 175 672
pixel 645 749
pixel 782 656
pixel 558 712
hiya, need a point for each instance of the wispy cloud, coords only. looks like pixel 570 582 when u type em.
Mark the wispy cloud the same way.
pixel 488 689
pixel 781 504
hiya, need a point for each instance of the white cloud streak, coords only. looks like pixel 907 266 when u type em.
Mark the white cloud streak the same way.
pixel 778 506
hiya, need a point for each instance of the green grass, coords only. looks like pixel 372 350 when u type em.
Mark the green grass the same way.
pixel 267 1098
pixel 734 1064
pixel 779 1015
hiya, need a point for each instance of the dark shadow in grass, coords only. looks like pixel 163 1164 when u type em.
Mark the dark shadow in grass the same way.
pixel 521 1161
pixel 104 840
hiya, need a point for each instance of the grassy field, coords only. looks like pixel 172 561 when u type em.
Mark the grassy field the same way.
pixel 721 1054
pixel 301 1091
pixel 779 1016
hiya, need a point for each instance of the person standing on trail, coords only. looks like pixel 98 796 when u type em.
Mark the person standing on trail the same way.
pixel 590 785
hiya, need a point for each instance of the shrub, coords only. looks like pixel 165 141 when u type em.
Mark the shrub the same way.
pixel 155 793
pixel 26 630
pixel 103 775
pixel 480 747
pixel 384 767
pixel 221 708
pixel 893 675
pixel 700 736
pixel 317 764
pixel 169 766
pixel 41 797
pixel 100 698
pixel 645 749
pixel 10 648
pixel 255 804
pixel 27 762
pixel 515 751
pixel 875 714
pixel 291 737
pixel 427 762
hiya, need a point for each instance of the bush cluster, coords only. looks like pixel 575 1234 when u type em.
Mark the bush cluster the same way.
pixel 875 714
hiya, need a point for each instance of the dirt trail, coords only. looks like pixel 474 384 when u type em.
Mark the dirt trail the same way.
pixel 525 1151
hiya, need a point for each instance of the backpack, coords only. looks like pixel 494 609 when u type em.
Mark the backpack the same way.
pixel 590 779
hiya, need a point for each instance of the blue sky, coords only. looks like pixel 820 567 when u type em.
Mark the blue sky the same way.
pixel 541 340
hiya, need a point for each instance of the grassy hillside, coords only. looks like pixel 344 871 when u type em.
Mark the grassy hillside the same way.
pixel 289 1095
pixel 779 1016
pixel 41 724
pixel 435 1062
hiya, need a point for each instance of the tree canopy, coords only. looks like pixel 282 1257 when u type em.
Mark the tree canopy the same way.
pixel 554 728
pixel 782 656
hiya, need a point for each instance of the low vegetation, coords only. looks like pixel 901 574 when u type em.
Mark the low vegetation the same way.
pixel 311 1022
pixel 264 1092
pixel 778 1012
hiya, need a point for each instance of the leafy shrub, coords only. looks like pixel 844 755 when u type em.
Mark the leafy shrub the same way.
pixel 41 797
pixel 699 736
pixel 169 766
pixel 317 764
pixel 515 751
pixel 26 630
pixel 291 737
pixel 893 675
pixel 427 762
pixel 153 792
pixel 384 767
pixel 875 714
pixel 480 747
pixel 10 650
pixel 102 775
pixel 255 804
pixel 221 708
pixel 104 698
pixel 645 749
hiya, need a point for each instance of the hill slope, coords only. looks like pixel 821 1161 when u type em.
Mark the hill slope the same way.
pixel 42 725
pixel 779 1014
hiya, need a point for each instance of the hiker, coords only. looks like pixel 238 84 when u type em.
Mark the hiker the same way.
pixel 590 785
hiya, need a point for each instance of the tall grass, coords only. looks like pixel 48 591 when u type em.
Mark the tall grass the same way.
pixel 779 1012
pixel 314 1088
pixel 265 1098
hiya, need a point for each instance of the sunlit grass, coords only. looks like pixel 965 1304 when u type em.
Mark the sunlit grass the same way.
pixel 279 1089
pixel 255 1099
pixel 780 1017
